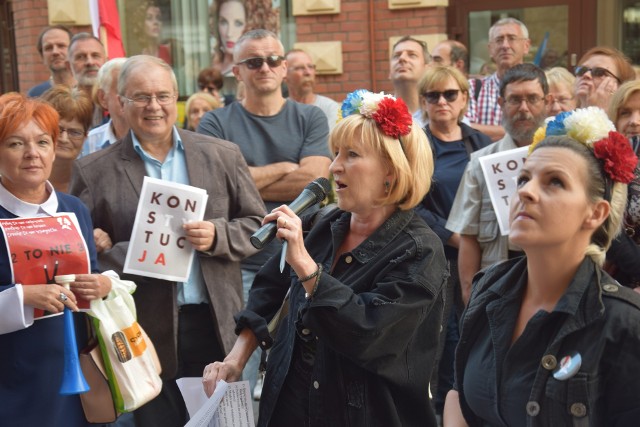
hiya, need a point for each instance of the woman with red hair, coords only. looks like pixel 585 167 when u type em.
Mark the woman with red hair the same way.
pixel 32 356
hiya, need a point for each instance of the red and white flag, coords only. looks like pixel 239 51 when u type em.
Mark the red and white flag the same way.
pixel 105 21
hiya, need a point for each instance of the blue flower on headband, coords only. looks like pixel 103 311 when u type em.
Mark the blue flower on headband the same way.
pixel 556 126
pixel 352 102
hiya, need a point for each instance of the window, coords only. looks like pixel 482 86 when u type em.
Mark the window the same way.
pixel 192 35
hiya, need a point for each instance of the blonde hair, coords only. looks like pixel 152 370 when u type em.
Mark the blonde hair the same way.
pixel 560 76
pixel 436 75
pixel 408 159
pixel 620 97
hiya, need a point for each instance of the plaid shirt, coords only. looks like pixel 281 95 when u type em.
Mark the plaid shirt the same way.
pixel 485 110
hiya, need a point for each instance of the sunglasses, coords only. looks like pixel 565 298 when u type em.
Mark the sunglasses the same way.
pixel 596 72
pixel 433 97
pixel 256 62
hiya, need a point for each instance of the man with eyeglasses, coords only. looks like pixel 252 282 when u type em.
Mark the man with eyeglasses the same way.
pixel 283 141
pixel 190 323
pixel 409 59
pixel 508 44
pixel 301 81
pixel 523 99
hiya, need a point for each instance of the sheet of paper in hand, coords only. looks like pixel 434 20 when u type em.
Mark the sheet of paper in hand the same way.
pixel 500 172
pixel 158 246
pixel 44 247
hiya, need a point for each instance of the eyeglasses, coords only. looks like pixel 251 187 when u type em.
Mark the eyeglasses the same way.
pixel 433 97
pixel 531 100
pixel 596 72
pixel 561 100
pixel 256 62
pixel 142 101
pixel 72 133
pixel 511 39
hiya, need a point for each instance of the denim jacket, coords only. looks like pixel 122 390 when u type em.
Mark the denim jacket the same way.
pixel 375 320
pixel 605 330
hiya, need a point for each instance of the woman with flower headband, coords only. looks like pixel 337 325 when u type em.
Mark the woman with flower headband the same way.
pixel 550 339
pixel 358 344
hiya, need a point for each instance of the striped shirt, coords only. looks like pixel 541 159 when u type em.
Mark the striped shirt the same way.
pixel 485 110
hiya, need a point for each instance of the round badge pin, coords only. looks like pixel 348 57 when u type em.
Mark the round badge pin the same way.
pixel 569 366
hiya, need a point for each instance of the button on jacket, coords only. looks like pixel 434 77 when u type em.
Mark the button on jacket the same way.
pixel 374 320
pixel 599 320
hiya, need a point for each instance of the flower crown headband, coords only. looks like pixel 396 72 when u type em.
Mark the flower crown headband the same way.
pixel 390 114
pixel 591 126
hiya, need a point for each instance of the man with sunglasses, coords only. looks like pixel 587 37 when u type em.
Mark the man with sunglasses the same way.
pixel 409 59
pixel 283 141
pixel 191 322
pixel 301 81
pixel 508 44
pixel 523 99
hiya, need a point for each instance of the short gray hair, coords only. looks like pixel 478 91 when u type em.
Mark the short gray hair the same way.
pixel 509 21
pixel 105 73
pixel 137 61
pixel 258 34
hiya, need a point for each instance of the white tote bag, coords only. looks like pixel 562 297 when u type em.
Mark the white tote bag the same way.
pixel 130 359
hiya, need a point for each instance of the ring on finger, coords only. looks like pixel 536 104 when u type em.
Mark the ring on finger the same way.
pixel 63 297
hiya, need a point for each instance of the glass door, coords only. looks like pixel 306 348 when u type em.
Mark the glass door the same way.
pixel 560 30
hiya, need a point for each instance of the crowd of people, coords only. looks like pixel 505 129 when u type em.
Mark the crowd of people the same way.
pixel 408 304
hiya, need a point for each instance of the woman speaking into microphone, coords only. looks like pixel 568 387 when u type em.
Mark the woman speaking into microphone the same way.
pixel 365 309
pixel 32 352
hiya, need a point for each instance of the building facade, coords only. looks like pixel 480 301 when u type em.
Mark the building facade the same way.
pixel 350 40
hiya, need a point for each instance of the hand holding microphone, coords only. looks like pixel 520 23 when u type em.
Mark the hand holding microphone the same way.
pixel 313 193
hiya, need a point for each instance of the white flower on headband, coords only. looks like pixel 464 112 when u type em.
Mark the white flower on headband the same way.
pixel 370 102
pixel 588 125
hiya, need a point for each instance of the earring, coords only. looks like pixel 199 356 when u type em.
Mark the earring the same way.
pixel 386 186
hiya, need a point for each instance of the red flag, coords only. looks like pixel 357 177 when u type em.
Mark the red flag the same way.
pixel 110 33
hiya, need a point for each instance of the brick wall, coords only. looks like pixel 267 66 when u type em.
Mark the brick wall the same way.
pixel 30 17
pixel 352 27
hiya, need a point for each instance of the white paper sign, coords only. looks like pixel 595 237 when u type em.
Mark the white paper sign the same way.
pixel 229 406
pixel 500 172
pixel 158 247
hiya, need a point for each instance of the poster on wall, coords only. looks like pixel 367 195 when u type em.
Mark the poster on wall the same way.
pixel 148 22
pixel 229 19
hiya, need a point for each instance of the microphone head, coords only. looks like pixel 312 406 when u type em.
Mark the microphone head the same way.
pixel 320 187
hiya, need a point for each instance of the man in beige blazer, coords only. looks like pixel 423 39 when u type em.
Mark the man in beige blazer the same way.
pixel 190 323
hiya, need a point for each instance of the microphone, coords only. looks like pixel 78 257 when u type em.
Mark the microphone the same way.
pixel 313 193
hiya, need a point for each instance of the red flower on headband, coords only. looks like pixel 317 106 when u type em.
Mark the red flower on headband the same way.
pixel 392 115
pixel 618 157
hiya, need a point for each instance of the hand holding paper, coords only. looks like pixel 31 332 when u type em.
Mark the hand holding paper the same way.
pixel 201 234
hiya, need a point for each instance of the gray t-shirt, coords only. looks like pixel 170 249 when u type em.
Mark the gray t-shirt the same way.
pixel 296 132
pixel 330 109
